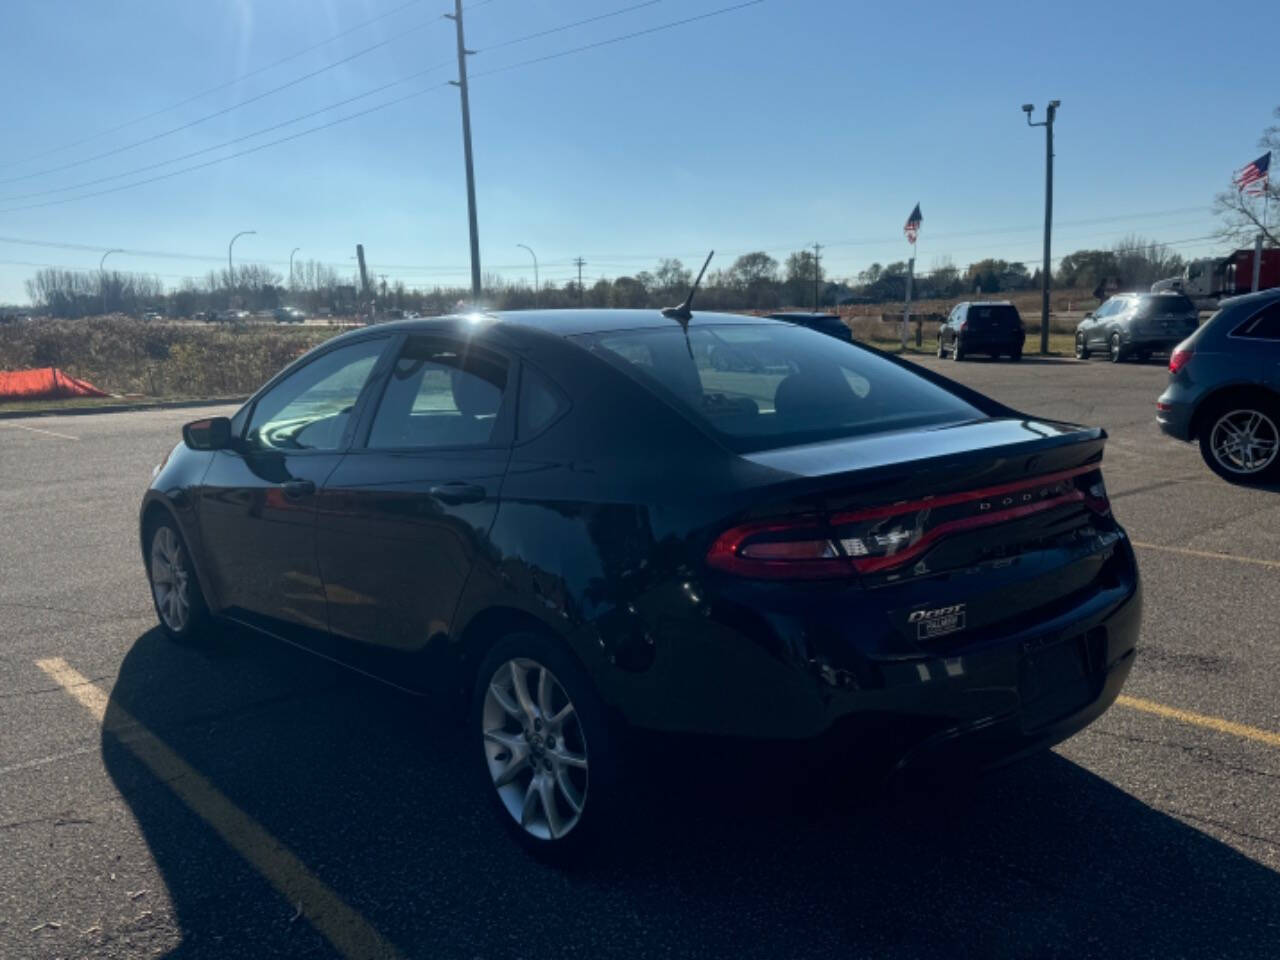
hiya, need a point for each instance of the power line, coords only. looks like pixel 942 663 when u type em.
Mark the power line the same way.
pixel 611 40
pixel 217 113
pixel 361 113
pixel 567 26
pixel 222 86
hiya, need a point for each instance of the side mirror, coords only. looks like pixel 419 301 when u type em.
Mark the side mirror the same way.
pixel 213 433
pixel 1089 315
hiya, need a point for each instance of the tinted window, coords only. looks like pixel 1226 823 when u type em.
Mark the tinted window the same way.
pixel 539 403
pixel 1166 304
pixel 310 409
pixel 759 386
pixel 439 394
pixel 994 316
pixel 1263 325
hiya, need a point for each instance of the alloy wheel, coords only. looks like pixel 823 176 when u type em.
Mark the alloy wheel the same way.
pixel 170 579
pixel 1245 442
pixel 535 748
pixel 1116 355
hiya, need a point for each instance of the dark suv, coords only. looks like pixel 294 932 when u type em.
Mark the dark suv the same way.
pixel 1136 324
pixel 1224 389
pixel 993 328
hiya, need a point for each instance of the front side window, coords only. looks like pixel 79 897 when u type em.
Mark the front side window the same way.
pixel 311 408
pixel 440 393
pixel 760 386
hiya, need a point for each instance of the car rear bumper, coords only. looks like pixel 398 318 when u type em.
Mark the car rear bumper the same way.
pixel 1174 415
pixel 1004 343
pixel 976 703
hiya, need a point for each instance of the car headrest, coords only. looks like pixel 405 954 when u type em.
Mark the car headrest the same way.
pixel 474 396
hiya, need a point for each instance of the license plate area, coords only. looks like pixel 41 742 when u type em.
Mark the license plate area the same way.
pixel 1058 676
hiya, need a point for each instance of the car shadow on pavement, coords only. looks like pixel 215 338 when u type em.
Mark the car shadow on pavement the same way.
pixel 375 793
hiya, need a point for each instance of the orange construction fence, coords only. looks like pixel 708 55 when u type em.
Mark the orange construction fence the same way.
pixel 45 383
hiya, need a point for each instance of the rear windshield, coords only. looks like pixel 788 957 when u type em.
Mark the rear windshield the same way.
pixel 1001 315
pixel 1164 304
pixel 761 386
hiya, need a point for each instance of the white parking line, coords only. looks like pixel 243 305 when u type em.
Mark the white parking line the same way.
pixel 52 433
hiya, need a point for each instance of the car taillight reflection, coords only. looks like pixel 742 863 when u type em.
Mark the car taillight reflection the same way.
pixel 1178 359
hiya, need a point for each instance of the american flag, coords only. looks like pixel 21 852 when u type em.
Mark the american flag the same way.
pixel 1253 178
pixel 912 226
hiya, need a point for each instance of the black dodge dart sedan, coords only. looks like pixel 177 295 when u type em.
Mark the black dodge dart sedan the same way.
pixel 578 528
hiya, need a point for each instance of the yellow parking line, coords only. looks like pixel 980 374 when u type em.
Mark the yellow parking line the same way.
pixel 1201 720
pixel 1209 554
pixel 350 934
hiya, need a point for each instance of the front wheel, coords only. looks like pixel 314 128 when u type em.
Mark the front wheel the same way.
pixel 1117 350
pixel 1016 354
pixel 175 591
pixel 549 750
pixel 942 351
pixel 1241 442
pixel 1082 347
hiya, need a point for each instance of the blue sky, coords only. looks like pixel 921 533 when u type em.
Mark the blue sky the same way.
pixel 770 127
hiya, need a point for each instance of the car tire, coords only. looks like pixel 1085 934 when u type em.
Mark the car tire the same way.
pixel 1116 348
pixel 528 759
pixel 1260 418
pixel 175 589
pixel 1016 354
pixel 956 352
pixel 1082 347
pixel 942 351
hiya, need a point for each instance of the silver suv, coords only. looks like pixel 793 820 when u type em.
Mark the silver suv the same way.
pixel 1136 324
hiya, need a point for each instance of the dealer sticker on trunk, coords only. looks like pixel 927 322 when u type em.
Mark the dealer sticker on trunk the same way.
pixel 938 621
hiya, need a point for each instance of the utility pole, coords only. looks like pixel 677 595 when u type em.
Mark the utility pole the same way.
pixel 581 293
pixel 1257 261
pixel 461 84
pixel 817 273
pixel 101 274
pixel 1050 112
pixel 535 270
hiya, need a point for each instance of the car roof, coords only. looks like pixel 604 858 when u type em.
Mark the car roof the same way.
pixel 802 315
pixel 568 323
pixel 987 303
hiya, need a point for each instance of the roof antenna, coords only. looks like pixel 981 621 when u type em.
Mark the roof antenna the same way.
pixel 684 313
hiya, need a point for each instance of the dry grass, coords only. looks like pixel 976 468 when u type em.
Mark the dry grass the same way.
pixel 126 356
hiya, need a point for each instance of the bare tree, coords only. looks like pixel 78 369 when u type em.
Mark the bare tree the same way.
pixel 1244 216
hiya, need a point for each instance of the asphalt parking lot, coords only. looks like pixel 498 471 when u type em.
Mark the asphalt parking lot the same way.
pixel 244 800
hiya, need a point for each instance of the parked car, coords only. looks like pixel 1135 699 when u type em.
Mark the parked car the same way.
pixel 1136 324
pixel 566 529
pixel 1224 389
pixel 990 327
pixel 828 323
pixel 288 315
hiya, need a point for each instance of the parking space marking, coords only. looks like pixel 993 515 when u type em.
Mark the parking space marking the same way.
pixel 52 433
pixel 349 933
pixel 1256 734
pixel 1207 554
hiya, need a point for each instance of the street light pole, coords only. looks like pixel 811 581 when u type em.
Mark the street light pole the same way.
pixel 461 84
pixel 291 253
pixel 1050 112
pixel 102 276
pixel 231 276
pixel 535 270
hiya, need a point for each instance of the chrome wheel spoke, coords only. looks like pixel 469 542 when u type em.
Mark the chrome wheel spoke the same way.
pixel 556 723
pixel 516 766
pixel 531 801
pixel 506 701
pixel 520 684
pixel 547 798
pixel 567 790
pixel 568 759
pixel 544 692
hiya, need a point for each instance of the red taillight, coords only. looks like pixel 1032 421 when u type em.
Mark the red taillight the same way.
pixel 783 550
pixel 1179 358
pixel 881 538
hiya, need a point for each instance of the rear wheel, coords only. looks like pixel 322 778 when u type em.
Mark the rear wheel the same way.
pixel 175 591
pixel 1016 354
pixel 1082 347
pixel 1241 440
pixel 1117 349
pixel 956 352
pixel 549 750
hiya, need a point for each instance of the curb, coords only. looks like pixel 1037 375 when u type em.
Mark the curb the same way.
pixel 121 407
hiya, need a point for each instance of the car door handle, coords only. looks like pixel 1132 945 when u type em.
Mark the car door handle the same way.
pixel 297 489
pixel 456 492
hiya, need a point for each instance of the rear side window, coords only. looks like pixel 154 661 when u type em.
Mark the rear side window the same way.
pixel 995 316
pixel 761 386
pixel 439 394
pixel 1263 325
